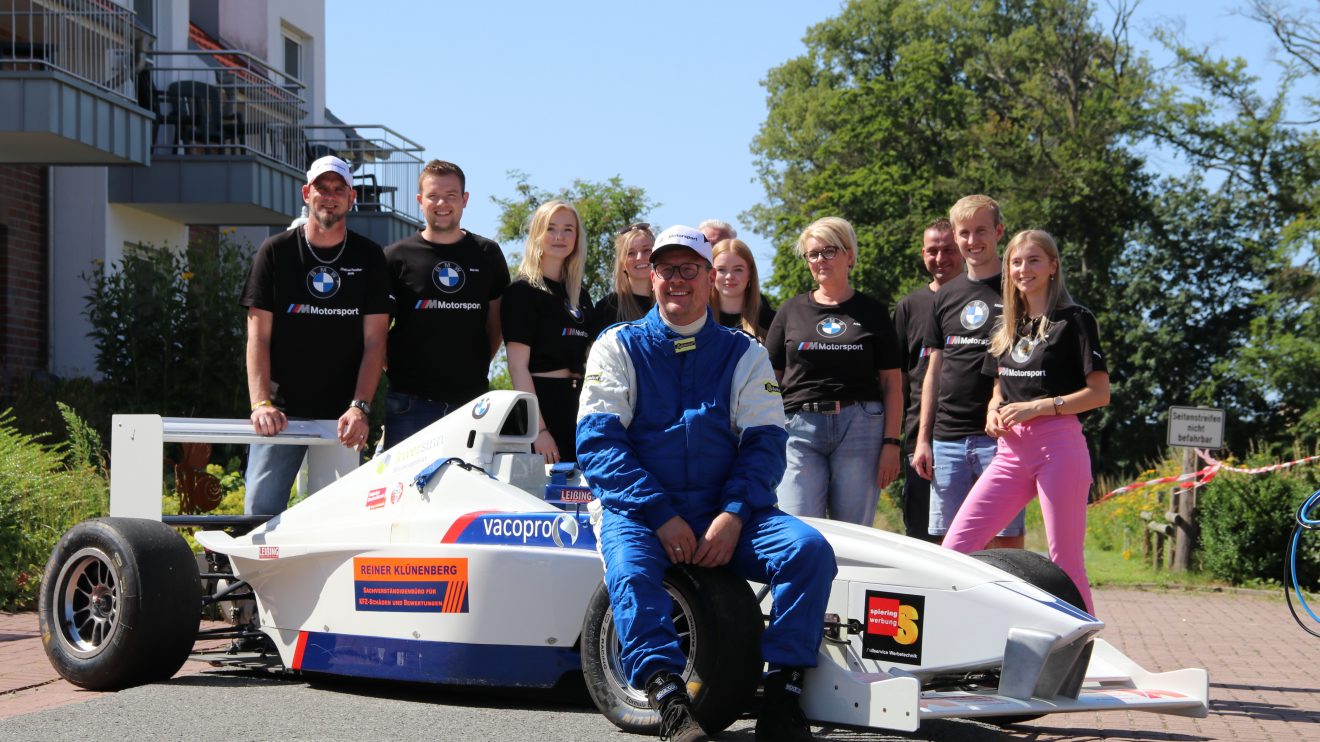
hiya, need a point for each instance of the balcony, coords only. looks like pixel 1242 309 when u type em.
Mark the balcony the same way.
pixel 68 84
pixel 227 141
pixel 385 166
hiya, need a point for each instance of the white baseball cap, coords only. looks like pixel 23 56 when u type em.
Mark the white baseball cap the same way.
pixel 681 236
pixel 330 164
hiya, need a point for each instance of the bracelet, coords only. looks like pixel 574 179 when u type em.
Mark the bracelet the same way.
pixel 262 403
pixel 889 442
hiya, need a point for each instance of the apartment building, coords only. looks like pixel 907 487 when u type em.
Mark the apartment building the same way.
pixel 129 122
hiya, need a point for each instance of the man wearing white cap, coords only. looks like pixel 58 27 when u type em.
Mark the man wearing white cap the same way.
pixel 681 434
pixel 318 300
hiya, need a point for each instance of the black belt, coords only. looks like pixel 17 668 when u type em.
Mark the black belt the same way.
pixel 826 407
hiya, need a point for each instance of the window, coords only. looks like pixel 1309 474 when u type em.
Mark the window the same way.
pixel 293 53
pixel 146 14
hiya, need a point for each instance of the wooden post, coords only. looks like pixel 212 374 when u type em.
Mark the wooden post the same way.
pixel 1185 525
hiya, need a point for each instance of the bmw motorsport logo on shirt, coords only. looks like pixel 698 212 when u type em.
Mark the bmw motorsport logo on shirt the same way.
pixel 974 314
pixel 323 281
pixel 447 276
pixel 831 327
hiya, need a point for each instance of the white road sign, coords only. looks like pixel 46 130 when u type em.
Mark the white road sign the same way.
pixel 1196 427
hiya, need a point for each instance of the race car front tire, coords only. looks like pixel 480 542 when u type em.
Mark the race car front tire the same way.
pixel 719 625
pixel 120 603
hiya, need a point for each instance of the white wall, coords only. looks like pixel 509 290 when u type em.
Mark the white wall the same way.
pixel 308 19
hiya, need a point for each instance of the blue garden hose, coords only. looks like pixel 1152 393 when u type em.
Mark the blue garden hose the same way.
pixel 1304 523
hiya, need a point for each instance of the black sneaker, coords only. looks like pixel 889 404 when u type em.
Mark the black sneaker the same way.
pixel 781 718
pixel 667 694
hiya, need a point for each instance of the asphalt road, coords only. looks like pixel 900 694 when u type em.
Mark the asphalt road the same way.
pixel 222 705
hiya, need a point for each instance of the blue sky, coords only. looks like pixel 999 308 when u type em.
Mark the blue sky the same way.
pixel 666 95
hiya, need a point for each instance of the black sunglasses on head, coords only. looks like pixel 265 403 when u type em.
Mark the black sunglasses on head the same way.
pixel 638 226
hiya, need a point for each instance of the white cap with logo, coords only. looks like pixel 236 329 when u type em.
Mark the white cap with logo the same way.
pixel 681 236
pixel 330 164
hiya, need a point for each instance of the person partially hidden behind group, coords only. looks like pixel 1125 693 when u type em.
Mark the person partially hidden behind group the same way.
pixel 1049 371
pixel 631 297
pixel 545 315
pixel 736 296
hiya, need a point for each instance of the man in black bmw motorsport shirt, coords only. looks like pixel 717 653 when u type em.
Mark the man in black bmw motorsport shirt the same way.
pixel 447 285
pixel 318 302
pixel 912 316
pixel 953 449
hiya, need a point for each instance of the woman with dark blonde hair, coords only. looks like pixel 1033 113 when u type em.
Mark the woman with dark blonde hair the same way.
pixel 836 356
pixel 735 294
pixel 1049 371
pixel 631 297
pixel 546 316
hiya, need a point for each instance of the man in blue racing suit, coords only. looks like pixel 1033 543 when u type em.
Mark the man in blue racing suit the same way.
pixel 681 433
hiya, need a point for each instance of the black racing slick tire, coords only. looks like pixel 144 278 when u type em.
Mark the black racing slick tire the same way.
pixel 120 603
pixel 1035 569
pixel 719 626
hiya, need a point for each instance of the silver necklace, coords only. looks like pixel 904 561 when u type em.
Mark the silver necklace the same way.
pixel 303 233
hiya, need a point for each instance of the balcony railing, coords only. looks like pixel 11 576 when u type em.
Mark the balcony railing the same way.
pixel 91 41
pixel 224 102
pixel 385 164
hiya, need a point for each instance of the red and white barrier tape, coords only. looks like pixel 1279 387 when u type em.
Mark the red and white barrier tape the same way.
pixel 1192 480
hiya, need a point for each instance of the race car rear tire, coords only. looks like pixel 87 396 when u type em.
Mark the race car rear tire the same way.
pixel 719 624
pixel 1035 569
pixel 120 603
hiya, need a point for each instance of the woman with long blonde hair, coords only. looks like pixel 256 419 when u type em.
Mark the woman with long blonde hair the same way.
pixel 1049 371
pixel 735 294
pixel 631 297
pixel 546 317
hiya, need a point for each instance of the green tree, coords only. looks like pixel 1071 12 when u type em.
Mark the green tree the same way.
pixel 605 207
pixel 900 107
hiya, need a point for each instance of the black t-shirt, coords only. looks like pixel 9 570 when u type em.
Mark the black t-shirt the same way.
pixel 606 313
pixel 1071 350
pixel 438 347
pixel 912 316
pixel 831 352
pixel 765 316
pixel 558 334
pixel 318 302
pixel 964 315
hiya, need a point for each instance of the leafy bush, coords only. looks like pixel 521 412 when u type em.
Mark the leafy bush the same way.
pixel 169 331
pixel 1246 522
pixel 44 490
pixel 1116 524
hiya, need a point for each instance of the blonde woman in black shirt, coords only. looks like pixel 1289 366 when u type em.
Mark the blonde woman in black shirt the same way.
pixel 1049 370
pixel 631 297
pixel 546 316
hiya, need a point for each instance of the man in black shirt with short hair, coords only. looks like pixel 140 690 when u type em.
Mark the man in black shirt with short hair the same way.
pixel 953 449
pixel 447 286
pixel 318 309
pixel 912 316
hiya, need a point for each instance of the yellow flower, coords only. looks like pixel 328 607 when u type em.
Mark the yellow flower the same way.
pixel 188 275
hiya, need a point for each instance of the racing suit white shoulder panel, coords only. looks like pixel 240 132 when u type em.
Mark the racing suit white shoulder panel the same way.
pixel 609 380
pixel 755 398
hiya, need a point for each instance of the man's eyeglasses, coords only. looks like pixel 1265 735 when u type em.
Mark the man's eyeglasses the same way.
pixel 635 226
pixel 666 271
pixel 829 253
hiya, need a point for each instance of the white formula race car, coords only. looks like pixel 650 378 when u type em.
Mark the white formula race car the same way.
pixel 449 559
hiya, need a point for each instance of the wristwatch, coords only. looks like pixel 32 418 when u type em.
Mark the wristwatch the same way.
pixel 361 405
pixel 1058 405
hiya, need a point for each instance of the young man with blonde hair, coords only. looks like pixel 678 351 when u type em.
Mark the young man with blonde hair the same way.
pixel 953 447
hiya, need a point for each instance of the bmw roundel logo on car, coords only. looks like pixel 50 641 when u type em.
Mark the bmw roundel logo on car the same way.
pixel 323 281
pixel 447 276
pixel 480 409
pixel 831 327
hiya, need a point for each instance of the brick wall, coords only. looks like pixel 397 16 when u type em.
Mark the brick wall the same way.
pixel 23 266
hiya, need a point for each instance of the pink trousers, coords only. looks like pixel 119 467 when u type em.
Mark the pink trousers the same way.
pixel 1045 457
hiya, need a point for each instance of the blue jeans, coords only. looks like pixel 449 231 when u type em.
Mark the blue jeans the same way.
pixel 271 470
pixel 832 462
pixel 406 414
pixel 958 464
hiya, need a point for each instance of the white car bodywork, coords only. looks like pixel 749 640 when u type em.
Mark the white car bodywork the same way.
pixel 467 579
